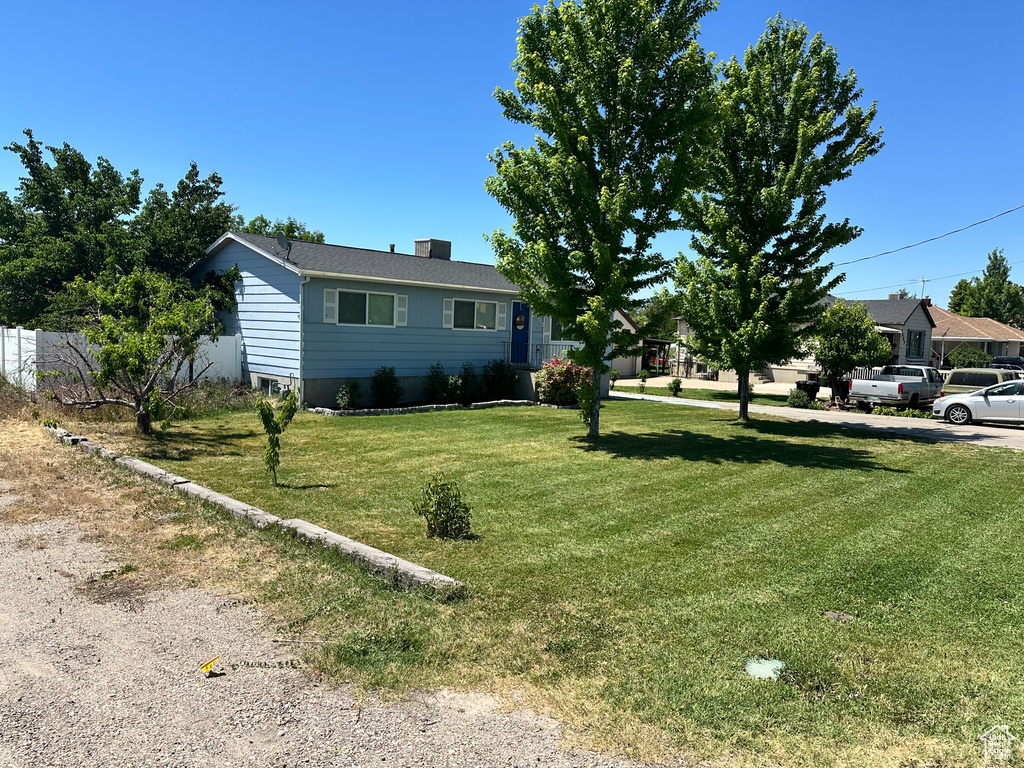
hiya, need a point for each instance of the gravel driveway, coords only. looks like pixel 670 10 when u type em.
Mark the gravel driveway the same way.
pixel 96 673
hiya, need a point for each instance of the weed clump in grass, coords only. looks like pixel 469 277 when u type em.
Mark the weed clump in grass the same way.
pixel 675 386
pixel 447 515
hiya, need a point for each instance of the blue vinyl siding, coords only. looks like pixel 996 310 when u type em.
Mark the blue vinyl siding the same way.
pixel 268 310
pixel 336 351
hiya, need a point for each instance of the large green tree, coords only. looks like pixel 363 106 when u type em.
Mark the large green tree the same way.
pixel 992 295
pixel 66 219
pixel 71 219
pixel 175 228
pixel 845 339
pixel 791 126
pixel 293 229
pixel 618 92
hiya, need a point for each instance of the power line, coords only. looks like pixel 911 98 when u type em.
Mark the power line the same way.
pixel 929 240
pixel 923 280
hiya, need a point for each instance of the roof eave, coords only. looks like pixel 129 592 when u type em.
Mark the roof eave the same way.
pixel 400 281
pixel 224 240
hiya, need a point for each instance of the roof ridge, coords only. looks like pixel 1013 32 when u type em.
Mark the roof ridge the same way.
pixel 365 250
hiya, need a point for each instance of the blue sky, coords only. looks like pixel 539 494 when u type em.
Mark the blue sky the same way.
pixel 372 122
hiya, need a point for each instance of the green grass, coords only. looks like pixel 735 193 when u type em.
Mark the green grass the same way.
pixel 622 584
pixel 717 395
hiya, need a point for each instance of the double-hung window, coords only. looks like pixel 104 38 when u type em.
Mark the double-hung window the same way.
pixel 915 344
pixel 463 314
pixel 346 307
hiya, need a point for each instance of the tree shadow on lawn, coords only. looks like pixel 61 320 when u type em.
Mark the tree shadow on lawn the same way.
pixel 179 447
pixel 824 429
pixel 736 448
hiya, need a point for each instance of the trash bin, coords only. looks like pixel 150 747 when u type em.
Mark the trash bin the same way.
pixel 810 387
pixel 844 389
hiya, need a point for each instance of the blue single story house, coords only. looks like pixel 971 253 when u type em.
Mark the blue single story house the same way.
pixel 313 315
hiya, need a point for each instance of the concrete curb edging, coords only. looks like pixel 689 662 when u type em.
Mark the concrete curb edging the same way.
pixel 409 575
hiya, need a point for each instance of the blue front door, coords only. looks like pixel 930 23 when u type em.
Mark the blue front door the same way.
pixel 520 351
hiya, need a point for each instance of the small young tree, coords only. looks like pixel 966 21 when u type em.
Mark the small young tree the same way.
pixel 274 426
pixel 846 339
pixel 791 126
pixel 143 329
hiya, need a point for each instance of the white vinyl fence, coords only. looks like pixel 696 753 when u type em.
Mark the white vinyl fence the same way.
pixel 24 353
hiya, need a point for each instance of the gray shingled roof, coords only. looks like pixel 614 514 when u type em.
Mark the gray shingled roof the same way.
pixel 343 261
pixel 886 311
pixel 898 311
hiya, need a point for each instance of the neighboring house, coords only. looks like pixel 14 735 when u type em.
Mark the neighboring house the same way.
pixel 314 315
pixel 982 333
pixel 906 323
pixel 626 366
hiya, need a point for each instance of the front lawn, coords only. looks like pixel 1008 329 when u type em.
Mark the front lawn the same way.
pixel 622 585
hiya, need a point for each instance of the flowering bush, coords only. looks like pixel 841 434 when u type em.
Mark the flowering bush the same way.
pixel 558 382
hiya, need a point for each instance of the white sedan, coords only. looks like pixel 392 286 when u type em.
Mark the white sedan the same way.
pixel 1000 402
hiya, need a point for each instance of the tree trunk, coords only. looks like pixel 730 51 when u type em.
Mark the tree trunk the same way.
pixel 143 422
pixel 743 389
pixel 595 414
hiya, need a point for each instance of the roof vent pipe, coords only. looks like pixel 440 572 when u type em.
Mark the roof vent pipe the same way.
pixel 392 247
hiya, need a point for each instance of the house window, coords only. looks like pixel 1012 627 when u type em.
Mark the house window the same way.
pixel 995 348
pixel 468 315
pixel 915 344
pixel 557 332
pixel 365 308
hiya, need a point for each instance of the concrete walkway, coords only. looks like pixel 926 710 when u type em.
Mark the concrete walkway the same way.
pixel 1003 436
pixel 767 388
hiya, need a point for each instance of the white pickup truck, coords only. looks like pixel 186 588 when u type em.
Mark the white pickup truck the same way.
pixel 909 386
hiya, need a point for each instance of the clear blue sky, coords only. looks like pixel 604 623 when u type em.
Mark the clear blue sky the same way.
pixel 372 122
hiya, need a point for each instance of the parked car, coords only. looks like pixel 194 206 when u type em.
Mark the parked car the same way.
pixel 1007 366
pixel 898 385
pixel 1016 360
pixel 963 380
pixel 1001 402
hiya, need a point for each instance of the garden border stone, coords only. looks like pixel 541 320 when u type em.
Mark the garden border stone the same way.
pixel 389 566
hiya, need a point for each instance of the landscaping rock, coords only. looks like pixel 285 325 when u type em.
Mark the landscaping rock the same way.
pixel 406 573
pixel 235 508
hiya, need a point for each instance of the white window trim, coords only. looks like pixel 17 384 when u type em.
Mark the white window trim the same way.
pixel 394 308
pixel 333 294
pixel 500 315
